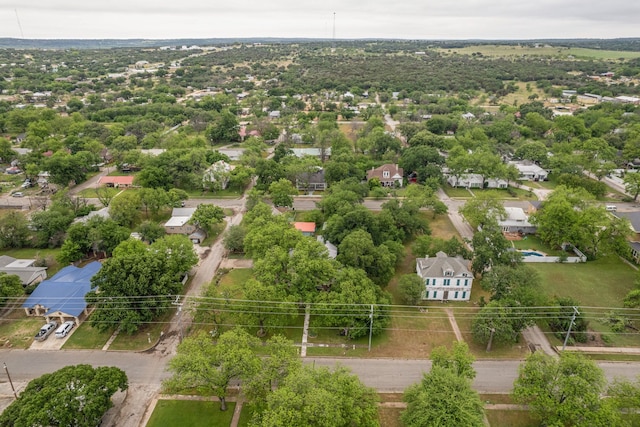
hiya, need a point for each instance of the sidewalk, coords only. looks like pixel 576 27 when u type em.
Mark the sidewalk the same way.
pixel 605 350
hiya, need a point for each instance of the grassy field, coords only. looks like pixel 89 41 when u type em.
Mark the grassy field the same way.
pixel 87 337
pixel 190 413
pixel 533 242
pixel 148 334
pixel 557 52
pixel 460 193
pixel 17 330
pixel 601 283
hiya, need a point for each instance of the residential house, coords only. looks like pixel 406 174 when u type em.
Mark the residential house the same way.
pixel 62 297
pixel 320 153
pixel 179 221
pixel 274 114
pixel 311 181
pixel 634 247
pixel 390 175
pixel 516 221
pixel 24 269
pixel 634 222
pixel 331 248
pixel 306 228
pixel 474 180
pixel 530 171
pixel 445 278
pixel 116 181
pixel 217 175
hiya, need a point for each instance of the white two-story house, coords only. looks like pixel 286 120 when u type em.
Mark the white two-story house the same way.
pixel 445 278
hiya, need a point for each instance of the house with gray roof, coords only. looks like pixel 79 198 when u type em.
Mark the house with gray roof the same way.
pixel 445 278
pixel 23 268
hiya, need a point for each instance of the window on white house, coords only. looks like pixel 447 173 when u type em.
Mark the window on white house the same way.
pixel 385 174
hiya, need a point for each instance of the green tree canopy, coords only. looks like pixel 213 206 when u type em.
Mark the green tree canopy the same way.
pixel 564 391
pixel 72 396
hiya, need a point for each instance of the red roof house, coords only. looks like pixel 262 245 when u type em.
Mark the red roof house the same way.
pixel 306 228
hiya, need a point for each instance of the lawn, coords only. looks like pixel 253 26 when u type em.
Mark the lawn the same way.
pixel 88 337
pixel 92 194
pixel 460 193
pixel 190 413
pixel 146 336
pixel 389 417
pixel 601 283
pixel 534 243
pixel 17 330
pixel 441 227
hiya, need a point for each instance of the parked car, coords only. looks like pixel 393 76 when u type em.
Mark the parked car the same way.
pixel 45 331
pixel 65 328
pixel 27 183
pixel 17 194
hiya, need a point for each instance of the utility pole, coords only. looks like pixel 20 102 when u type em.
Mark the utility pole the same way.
pixel 493 331
pixel 573 319
pixel 370 326
pixel 179 314
pixel 10 382
pixel 333 44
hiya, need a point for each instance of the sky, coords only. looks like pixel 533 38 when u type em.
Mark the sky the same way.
pixel 354 19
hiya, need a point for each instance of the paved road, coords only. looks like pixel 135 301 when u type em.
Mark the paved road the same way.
pixel 392 375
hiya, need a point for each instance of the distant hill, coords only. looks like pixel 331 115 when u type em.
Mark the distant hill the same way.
pixel 115 43
pixel 622 44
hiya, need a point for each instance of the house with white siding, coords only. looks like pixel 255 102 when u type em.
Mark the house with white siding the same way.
pixel 445 278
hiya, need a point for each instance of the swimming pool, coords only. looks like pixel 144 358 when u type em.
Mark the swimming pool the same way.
pixel 531 253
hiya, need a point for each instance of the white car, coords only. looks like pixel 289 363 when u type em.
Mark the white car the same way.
pixel 65 328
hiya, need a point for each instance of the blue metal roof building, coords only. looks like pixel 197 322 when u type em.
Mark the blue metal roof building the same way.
pixel 62 296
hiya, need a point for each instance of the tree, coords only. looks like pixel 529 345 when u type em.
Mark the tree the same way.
pixel 10 286
pixel 281 192
pixel 14 230
pixel 442 399
pixel 311 396
pixel 491 248
pixel 632 184
pixel 275 309
pixel 104 195
pixel 72 396
pixel 138 282
pixel 486 208
pixel 208 366
pixel 411 288
pixel 564 390
pixel 496 323
pixel 517 285
pixel 233 239
pixel 358 250
pixel 458 360
pixel 125 209
pixel 151 231
pixel 207 215
pixel 153 199
pixel 224 128
pixel 561 318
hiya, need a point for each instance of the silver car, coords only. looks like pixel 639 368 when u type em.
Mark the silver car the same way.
pixel 45 331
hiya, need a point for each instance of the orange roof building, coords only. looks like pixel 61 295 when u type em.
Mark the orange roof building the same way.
pixel 306 228
pixel 116 181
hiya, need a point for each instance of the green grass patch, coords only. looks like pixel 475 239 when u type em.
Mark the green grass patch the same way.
pixel 146 336
pixel 88 337
pixel 214 232
pixel 509 418
pixel 534 243
pixel 441 227
pixel 17 330
pixel 546 51
pixel 246 413
pixel 190 413
pixel 600 283
pixel 613 357
pixel 455 192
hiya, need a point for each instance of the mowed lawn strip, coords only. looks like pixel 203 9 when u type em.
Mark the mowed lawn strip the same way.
pixel 600 283
pixel 88 337
pixel 190 413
